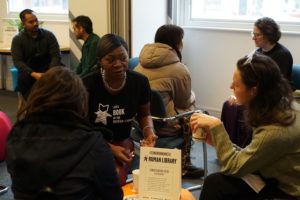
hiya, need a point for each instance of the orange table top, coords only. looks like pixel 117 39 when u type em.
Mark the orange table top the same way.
pixel 185 194
pixel 128 189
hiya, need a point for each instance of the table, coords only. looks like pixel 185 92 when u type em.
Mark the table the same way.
pixel 4 52
pixel 185 194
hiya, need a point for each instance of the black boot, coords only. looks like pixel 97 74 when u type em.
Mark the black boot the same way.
pixel 188 169
pixel 192 172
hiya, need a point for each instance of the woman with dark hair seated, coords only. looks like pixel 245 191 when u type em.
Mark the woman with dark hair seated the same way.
pixel 272 159
pixel 116 96
pixel 53 150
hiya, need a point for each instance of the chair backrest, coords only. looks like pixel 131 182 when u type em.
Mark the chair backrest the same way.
pixel 133 62
pixel 157 106
pixel 14 74
pixel 296 76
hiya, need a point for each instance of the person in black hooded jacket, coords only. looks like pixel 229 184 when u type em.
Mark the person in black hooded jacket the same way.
pixel 53 148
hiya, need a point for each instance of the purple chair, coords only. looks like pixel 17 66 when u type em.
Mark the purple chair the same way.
pixel 233 120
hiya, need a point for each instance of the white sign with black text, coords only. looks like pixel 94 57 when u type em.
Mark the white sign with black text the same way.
pixel 160 174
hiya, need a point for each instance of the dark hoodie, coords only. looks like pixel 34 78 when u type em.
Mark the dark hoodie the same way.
pixel 64 152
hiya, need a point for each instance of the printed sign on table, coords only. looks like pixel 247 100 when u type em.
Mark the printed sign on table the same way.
pixel 160 174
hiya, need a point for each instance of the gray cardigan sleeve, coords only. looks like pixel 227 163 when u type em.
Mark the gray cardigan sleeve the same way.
pixel 266 147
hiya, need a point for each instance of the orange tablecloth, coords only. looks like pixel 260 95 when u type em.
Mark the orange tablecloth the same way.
pixel 128 189
pixel 185 194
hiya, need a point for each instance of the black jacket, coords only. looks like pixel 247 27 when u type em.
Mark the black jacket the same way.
pixel 63 151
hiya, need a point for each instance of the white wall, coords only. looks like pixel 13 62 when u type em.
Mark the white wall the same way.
pixel 61 31
pixel 211 56
pixel 147 16
pixel 96 10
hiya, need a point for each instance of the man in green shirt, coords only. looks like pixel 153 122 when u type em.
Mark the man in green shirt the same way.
pixel 83 29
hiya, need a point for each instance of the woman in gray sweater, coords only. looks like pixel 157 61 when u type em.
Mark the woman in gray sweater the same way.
pixel 269 167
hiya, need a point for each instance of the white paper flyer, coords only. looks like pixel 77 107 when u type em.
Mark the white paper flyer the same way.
pixel 254 181
pixel 8 33
pixel 160 174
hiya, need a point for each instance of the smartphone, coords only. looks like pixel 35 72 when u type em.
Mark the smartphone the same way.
pixel 3 189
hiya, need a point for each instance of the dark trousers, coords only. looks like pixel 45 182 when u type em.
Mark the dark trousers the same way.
pixel 25 83
pixel 221 187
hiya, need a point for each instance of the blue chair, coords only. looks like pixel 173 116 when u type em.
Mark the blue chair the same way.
pixel 14 75
pixel 133 62
pixel 296 76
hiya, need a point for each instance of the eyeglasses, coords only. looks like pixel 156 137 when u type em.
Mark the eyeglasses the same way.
pixel 256 35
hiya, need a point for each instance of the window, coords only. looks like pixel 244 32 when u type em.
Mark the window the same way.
pixel 50 9
pixel 239 14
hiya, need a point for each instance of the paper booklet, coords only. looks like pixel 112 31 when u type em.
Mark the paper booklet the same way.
pixel 254 181
pixel 160 174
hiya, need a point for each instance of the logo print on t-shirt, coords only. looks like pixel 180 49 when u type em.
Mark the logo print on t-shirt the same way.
pixel 102 114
